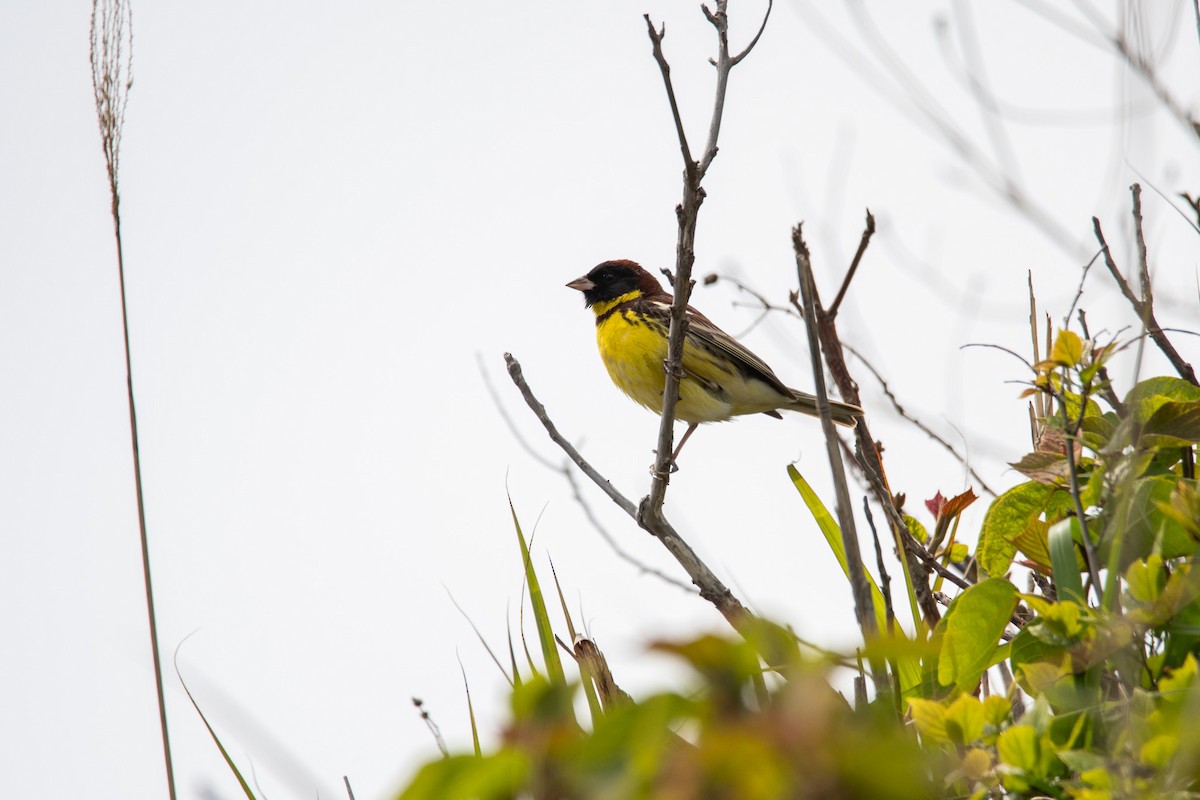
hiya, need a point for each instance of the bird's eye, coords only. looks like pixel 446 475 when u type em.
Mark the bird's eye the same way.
pixel 608 277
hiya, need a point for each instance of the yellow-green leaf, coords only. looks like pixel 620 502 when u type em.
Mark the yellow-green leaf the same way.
pixel 964 719
pixel 1018 747
pixel 930 718
pixel 1068 349
pixel 973 625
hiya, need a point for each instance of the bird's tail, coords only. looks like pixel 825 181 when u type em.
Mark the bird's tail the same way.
pixel 844 414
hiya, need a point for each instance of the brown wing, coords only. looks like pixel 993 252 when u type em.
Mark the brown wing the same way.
pixel 715 339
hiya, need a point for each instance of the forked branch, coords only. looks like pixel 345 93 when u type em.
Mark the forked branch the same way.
pixel 687 214
pixel 1143 306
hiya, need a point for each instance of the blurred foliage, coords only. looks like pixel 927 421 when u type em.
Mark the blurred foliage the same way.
pixel 1081 684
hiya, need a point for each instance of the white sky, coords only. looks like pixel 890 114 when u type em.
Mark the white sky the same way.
pixel 332 211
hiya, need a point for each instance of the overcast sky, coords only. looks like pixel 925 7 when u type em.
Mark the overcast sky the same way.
pixel 339 216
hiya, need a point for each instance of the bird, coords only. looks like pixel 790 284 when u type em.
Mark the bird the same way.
pixel 721 379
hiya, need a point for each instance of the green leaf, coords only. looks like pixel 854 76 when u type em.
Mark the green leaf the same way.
pixel 916 528
pixel 468 777
pixel 1033 544
pixel 1076 410
pixel 1144 580
pixel 973 625
pixel 1158 752
pixel 1175 423
pixel 1174 687
pixel 1017 748
pixel 1009 515
pixel 996 710
pixel 1149 528
pixel 964 720
pixel 1030 649
pixel 1145 398
pixel 1063 560
pixel 959 552
pixel 930 718
pixel 1082 760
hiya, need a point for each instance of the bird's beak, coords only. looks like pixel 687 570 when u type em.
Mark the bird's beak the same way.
pixel 582 284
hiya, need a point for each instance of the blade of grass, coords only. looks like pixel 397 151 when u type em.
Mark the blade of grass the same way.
pixel 471 711
pixel 224 753
pixel 909 669
pixel 589 688
pixel 833 537
pixel 541 617
pixel 479 636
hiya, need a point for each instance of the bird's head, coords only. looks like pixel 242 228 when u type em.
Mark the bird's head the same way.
pixel 613 279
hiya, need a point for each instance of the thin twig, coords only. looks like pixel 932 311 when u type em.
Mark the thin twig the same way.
pixel 433 726
pixel 864 606
pixel 1144 306
pixel 867 233
pixel 656 37
pixel 764 306
pixel 650 515
pixel 738 58
pixel 867 455
pixel 1079 292
pixel 711 588
pixel 514 372
pixel 590 513
pixel 887 391
pixel 885 580
pixel 1106 387
pixel 932 563
pixel 564 469
pixel 686 213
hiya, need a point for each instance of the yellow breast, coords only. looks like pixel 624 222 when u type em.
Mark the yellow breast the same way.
pixel 633 348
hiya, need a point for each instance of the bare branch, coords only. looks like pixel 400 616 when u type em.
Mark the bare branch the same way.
pixel 864 608
pixel 1106 388
pixel 687 213
pixel 656 38
pixel 885 580
pixel 868 458
pixel 932 563
pixel 1078 292
pixel 1143 306
pixel 738 58
pixel 711 588
pixel 539 410
pixel 920 425
pixel 867 233
pixel 564 469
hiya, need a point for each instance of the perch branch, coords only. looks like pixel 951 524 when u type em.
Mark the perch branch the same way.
pixel 711 588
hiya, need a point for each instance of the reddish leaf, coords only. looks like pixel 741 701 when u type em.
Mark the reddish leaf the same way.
pixel 957 504
pixel 935 503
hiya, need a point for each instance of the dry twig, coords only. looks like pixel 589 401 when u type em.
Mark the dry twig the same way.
pixel 711 588
pixel 1143 306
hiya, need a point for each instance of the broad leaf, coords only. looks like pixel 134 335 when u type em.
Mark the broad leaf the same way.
pixel 973 625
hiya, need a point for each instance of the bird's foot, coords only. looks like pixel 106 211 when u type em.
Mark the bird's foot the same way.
pixel 670 468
